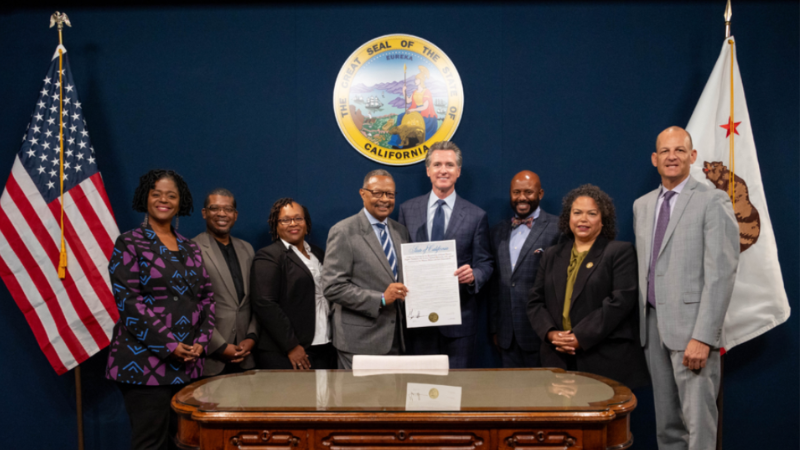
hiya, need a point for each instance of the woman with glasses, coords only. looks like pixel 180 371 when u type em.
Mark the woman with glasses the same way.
pixel 286 292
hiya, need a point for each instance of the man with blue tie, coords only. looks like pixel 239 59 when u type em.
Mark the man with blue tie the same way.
pixel 517 245
pixel 363 275
pixel 443 215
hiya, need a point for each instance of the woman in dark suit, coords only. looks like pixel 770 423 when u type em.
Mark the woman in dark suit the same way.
pixel 285 288
pixel 583 304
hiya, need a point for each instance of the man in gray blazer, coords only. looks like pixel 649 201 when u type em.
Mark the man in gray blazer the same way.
pixel 687 240
pixel 227 261
pixel 363 276
pixel 518 244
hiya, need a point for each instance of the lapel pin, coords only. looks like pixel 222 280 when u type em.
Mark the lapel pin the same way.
pixel 590 265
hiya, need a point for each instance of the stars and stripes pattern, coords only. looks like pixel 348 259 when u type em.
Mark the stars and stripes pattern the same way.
pixel 72 319
pixel 388 249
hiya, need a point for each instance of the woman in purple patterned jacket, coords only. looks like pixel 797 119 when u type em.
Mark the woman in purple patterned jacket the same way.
pixel 166 309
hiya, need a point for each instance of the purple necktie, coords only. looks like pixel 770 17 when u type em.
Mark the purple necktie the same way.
pixel 661 228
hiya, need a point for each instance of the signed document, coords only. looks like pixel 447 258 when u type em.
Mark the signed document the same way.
pixel 428 269
pixel 432 397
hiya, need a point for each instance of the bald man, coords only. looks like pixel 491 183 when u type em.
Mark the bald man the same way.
pixel 687 241
pixel 517 244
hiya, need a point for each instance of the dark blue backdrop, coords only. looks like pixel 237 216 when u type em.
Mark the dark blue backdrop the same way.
pixel 241 97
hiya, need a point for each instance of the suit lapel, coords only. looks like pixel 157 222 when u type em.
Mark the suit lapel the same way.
pixel 398 251
pixel 456 219
pixel 218 262
pixel 536 231
pixel 588 267
pixel 503 255
pixel 560 266
pixel 677 212
pixel 241 256
pixel 649 224
pixel 372 242
pixel 422 209
pixel 295 258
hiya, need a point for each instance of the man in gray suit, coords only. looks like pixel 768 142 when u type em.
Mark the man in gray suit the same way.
pixel 518 244
pixel 227 261
pixel 687 240
pixel 362 275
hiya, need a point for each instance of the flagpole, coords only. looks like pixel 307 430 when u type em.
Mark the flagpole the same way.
pixel 732 123
pixel 732 187
pixel 728 16
pixel 60 19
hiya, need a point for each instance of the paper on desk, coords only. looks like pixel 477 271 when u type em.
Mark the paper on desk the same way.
pixel 428 269
pixel 432 397
pixel 368 365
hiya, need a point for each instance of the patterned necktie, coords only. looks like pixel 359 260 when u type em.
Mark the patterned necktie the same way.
pixel 388 249
pixel 437 230
pixel 515 222
pixel 658 238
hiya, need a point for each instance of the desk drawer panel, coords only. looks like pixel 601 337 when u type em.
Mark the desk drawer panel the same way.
pixel 535 439
pixel 402 438
pixel 266 439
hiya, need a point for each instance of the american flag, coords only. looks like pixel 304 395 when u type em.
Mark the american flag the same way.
pixel 72 319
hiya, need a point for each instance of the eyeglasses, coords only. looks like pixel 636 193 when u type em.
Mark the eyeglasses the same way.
pixel 298 220
pixel 380 194
pixel 214 209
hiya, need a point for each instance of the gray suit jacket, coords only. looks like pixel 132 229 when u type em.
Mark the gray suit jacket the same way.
pixel 233 321
pixel 696 265
pixel 354 275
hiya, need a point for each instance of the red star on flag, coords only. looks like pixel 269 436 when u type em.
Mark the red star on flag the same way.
pixel 730 125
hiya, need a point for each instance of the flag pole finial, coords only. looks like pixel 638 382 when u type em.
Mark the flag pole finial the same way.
pixel 728 15
pixel 59 19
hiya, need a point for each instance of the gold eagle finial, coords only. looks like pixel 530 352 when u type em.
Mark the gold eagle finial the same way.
pixel 59 19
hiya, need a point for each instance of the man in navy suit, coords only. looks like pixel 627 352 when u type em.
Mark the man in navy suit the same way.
pixel 517 245
pixel 442 215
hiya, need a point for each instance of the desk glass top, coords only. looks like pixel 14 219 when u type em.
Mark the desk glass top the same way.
pixel 467 390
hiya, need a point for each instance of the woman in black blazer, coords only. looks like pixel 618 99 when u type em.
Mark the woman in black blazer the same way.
pixel 285 289
pixel 598 330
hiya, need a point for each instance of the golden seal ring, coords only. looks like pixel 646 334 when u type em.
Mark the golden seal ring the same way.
pixel 433 317
pixel 433 393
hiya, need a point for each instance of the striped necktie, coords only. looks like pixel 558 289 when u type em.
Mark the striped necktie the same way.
pixel 387 248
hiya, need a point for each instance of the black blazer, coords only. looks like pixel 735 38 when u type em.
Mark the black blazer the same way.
pixel 603 311
pixel 283 299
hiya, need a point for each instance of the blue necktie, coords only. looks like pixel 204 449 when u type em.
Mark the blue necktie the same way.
pixel 658 238
pixel 388 249
pixel 437 230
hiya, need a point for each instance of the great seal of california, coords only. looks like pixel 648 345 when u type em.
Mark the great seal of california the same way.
pixel 395 96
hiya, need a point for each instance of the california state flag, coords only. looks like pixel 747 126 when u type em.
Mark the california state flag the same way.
pixel 720 127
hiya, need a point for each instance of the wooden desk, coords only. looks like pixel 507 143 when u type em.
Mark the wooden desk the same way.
pixel 463 410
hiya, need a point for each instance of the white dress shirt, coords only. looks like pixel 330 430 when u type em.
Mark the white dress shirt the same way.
pixel 449 202
pixel 518 237
pixel 322 332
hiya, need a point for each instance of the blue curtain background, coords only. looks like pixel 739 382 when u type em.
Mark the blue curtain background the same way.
pixel 240 97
